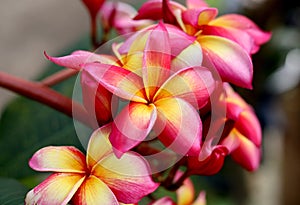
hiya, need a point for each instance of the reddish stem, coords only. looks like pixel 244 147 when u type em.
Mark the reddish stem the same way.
pixel 44 95
pixel 58 77
pixel 94 32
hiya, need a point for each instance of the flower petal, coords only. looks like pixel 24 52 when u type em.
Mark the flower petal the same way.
pixel 249 126
pixel 122 19
pixel 243 23
pixel 96 99
pixel 131 126
pixel 58 189
pixel 58 159
pixel 152 9
pixel 117 80
pixel 196 3
pixel 93 6
pixel 194 85
pixel 94 191
pixel 237 35
pixel 190 56
pixel 78 58
pixel 156 59
pixel 200 16
pixel 185 194
pixel 178 125
pixel 163 201
pixel 128 177
pixel 201 199
pixel 179 40
pixel 229 59
pixel 243 151
pixel 98 139
pixel 212 164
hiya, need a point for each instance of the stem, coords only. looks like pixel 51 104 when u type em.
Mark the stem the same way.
pixel 179 182
pixel 94 32
pixel 43 94
pixel 58 77
pixel 169 181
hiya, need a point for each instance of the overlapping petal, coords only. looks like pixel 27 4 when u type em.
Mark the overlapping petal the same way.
pixel 237 35
pixel 178 125
pixel 229 59
pixel 58 189
pixel 98 139
pixel 128 177
pixel 117 80
pixel 200 16
pixel 94 191
pixel 212 164
pixel 194 85
pixel 58 159
pixel 77 59
pixel 240 22
pixel 156 60
pixel 184 59
pixel 119 15
pixel 152 9
pixel 132 126
pixel 243 151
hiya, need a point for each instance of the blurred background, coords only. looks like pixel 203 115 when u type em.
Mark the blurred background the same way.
pixel 29 27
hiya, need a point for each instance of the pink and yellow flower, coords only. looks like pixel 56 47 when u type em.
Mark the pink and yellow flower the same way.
pixel 161 78
pixel 244 138
pixel 226 41
pixel 98 178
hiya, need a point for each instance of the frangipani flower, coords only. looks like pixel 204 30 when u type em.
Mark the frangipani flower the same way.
pixel 244 138
pixel 185 195
pixel 164 84
pixel 119 15
pixel 226 41
pixel 98 178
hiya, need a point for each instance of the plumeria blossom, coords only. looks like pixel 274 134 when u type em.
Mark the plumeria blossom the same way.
pixel 98 178
pixel 161 78
pixel 227 41
pixel 244 138
pixel 185 195
pixel 119 15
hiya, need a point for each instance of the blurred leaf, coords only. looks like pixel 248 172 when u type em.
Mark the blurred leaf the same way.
pixel 11 192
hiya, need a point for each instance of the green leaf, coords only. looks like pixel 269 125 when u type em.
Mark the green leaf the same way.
pixel 12 192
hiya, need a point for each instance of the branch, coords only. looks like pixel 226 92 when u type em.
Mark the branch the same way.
pixel 45 95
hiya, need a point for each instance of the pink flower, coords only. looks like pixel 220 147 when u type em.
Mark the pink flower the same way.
pixel 119 15
pixel 98 178
pixel 161 78
pixel 245 135
pixel 185 195
pixel 226 41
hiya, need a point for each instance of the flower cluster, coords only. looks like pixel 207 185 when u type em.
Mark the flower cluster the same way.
pixel 172 73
